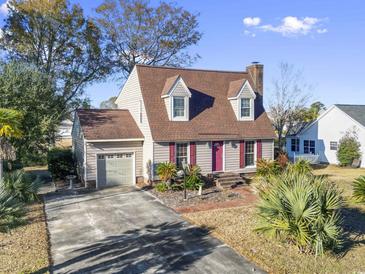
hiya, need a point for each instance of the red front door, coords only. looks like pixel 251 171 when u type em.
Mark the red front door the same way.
pixel 217 155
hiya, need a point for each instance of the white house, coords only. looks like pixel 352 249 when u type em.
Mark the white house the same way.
pixel 322 136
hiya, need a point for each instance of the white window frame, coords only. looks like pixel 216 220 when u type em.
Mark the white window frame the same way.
pixel 254 153
pixel 186 109
pixel 245 118
pixel 187 152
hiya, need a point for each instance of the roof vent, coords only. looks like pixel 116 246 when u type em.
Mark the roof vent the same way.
pixel 255 63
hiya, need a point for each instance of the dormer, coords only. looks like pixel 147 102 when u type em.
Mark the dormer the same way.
pixel 176 96
pixel 242 98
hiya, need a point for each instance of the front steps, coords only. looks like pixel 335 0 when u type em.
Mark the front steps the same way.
pixel 228 180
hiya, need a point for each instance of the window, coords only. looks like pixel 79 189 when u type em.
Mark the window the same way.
pixel 245 107
pixel 181 154
pixel 333 145
pixel 309 147
pixel 295 145
pixel 250 153
pixel 179 106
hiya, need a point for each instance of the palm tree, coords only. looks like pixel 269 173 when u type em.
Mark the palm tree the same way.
pixel 10 127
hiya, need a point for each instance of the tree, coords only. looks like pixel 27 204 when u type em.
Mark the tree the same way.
pixel 56 37
pixel 314 111
pixel 24 88
pixel 348 148
pixel 287 105
pixel 109 104
pixel 10 127
pixel 137 33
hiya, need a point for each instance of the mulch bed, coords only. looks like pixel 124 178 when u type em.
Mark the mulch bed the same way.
pixel 211 198
pixel 24 249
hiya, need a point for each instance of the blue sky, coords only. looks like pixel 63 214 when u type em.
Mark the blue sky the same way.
pixel 324 38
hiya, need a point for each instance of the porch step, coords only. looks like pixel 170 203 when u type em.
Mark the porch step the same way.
pixel 229 180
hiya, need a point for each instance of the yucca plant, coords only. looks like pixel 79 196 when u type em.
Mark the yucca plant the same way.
pixel 11 211
pixel 267 168
pixel 359 189
pixel 21 185
pixel 301 209
pixel 166 171
pixel 193 179
pixel 301 166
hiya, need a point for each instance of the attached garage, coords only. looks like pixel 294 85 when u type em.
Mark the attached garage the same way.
pixel 108 147
pixel 115 169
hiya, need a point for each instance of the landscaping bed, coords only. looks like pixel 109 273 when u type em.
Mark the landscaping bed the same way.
pixel 25 248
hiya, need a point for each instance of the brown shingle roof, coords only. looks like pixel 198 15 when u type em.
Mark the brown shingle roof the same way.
pixel 211 114
pixel 168 84
pixel 234 87
pixel 100 124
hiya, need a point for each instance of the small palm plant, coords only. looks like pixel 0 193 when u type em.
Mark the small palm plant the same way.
pixel 267 168
pixel 21 185
pixel 193 179
pixel 359 189
pixel 301 209
pixel 166 171
pixel 301 166
pixel 11 211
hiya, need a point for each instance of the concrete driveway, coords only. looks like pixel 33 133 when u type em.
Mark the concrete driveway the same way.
pixel 128 231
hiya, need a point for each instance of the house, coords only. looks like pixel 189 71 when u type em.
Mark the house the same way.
pixel 214 119
pixel 322 136
pixel 63 134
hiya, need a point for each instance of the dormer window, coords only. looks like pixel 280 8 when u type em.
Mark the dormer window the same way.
pixel 176 96
pixel 179 106
pixel 242 98
pixel 245 107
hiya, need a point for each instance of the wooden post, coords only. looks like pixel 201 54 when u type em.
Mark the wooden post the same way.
pixel 1 168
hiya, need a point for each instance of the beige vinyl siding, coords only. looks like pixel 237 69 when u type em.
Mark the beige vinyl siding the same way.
pixel 167 101
pixel 267 149
pixel 204 156
pixel 131 98
pixel 113 147
pixel 179 90
pixel 78 147
pixel 161 153
pixel 232 155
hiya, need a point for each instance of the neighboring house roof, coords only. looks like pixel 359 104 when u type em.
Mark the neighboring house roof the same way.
pixel 211 114
pixel 108 124
pixel 356 112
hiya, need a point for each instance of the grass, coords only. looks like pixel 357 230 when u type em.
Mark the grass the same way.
pixel 25 248
pixel 235 227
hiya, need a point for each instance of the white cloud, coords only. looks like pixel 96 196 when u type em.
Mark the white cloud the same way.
pixel 4 8
pixel 249 33
pixel 251 21
pixel 289 26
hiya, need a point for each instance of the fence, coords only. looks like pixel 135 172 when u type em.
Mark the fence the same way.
pixel 312 158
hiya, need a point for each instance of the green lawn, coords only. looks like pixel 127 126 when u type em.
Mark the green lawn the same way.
pixel 235 227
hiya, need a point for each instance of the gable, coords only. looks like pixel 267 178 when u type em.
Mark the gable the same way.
pixel 240 88
pixel 175 86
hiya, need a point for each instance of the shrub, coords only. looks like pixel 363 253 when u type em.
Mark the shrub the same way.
pixel 348 149
pixel 161 187
pixel 177 186
pixel 301 209
pixel 282 160
pixel 301 167
pixel 166 171
pixel 359 189
pixel 266 168
pixel 193 179
pixel 22 186
pixel 60 163
pixel 11 210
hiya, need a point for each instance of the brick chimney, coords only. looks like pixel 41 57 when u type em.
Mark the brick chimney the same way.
pixel 256 71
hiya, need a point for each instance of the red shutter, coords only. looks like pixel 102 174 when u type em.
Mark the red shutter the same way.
pixel 172 152
pixel 192 153
pixel 259 149
pixel 242 154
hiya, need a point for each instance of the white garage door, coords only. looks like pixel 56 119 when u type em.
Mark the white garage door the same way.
pixel 115 169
